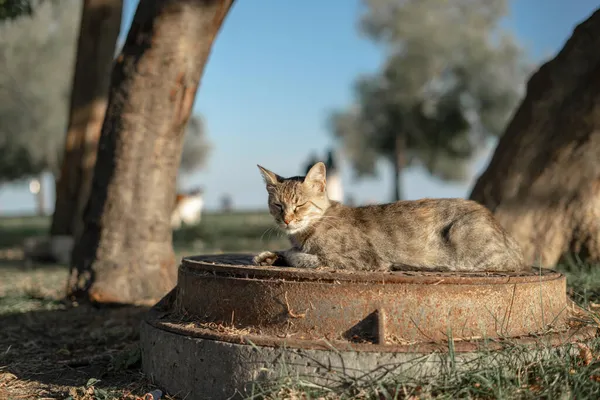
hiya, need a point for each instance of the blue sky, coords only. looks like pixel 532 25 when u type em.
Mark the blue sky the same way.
pixel 279 66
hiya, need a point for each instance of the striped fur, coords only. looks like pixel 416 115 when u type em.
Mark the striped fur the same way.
pixel 427 234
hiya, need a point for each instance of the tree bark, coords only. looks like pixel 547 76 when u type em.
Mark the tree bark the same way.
pixel 125 254
pixel 543 182
pixel 399 162
pixel 100 26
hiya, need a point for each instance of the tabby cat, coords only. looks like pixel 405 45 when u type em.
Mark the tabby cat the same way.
pixel 427 234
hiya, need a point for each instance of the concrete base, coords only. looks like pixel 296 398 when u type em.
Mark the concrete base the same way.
pixel 205 369
pixel 196 368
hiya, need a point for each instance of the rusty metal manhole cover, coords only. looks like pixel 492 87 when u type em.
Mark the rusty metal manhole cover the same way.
pixel 225 297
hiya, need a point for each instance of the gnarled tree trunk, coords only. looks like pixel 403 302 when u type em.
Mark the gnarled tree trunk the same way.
pixel 100 26
pixel 543 182
pixel 125 254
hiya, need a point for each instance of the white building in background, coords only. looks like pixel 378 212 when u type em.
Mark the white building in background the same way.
pixel 188 209
pixel 335 190
pixel 37 190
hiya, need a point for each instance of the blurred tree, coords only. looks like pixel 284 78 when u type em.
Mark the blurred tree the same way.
pixel 450 81
pixel 125 253
pixel 36 53
pixel 98 32
pixel 313 158
pixel 196 147
pixel 543 181
pixel 10 9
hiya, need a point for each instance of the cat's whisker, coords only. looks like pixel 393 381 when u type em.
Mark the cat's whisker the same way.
pixel 277 232
pixel 263 234
pixel 268 230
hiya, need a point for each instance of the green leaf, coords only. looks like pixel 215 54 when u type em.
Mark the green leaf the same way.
pixel 91 382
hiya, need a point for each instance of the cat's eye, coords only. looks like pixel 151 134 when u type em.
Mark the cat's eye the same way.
pixel 299 206
pixel 278 206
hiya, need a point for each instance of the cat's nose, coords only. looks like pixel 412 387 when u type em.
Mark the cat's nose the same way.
pixel 287 220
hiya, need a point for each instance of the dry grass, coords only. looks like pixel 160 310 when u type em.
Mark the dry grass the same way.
pixel 60 351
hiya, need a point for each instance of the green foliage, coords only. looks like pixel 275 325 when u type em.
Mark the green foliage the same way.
pixel 451 79
pixel 36 59
pixel 16 162
pixel 195 147
pixel 10 9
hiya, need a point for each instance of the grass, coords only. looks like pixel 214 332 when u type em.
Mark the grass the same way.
pixel 240 231
pixel 51 349
pixel 512 374
pixel 232 232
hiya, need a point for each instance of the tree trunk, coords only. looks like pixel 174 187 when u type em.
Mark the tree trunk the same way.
pixel 40 197
pixel 543 182
pixel 125 254
pixel 398 163
pixel 100 26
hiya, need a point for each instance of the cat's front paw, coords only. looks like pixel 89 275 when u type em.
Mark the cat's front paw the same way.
pixel 266 258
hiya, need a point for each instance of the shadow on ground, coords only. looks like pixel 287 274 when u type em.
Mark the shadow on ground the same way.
pixel 82 352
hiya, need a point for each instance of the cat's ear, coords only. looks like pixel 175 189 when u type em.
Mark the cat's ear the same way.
pixel 315 177
pixel 271 178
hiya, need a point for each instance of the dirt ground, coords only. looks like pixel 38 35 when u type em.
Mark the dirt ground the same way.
pixel 50 349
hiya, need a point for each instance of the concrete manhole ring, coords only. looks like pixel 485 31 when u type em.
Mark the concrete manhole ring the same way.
pixel 243 317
